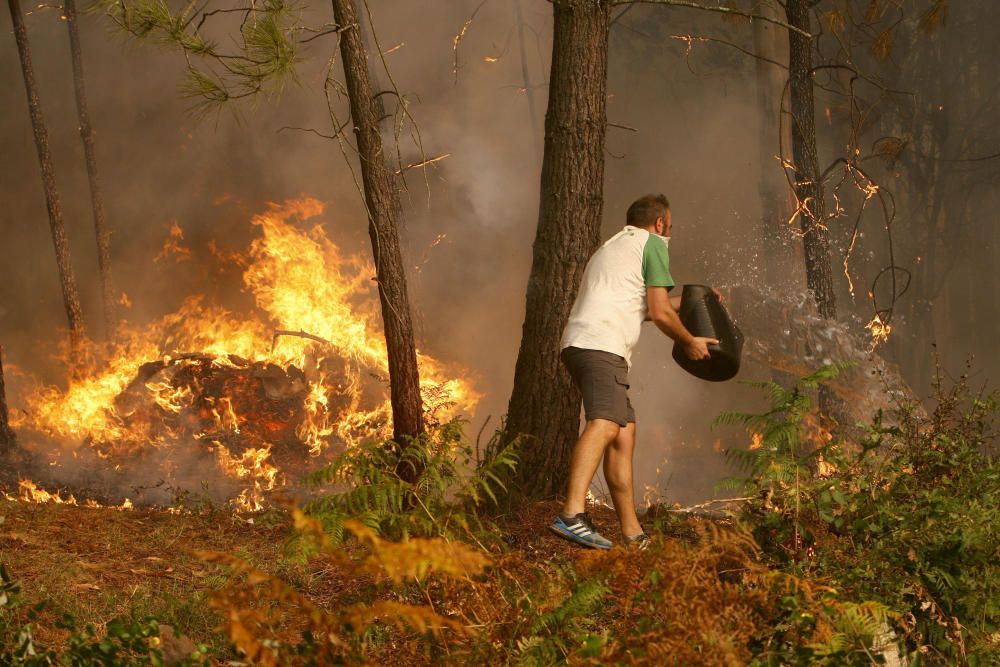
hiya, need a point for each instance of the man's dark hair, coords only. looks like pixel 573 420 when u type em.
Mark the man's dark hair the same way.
pixel 645 210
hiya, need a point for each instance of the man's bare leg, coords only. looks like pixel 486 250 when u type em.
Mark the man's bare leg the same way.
pixel 618 474
pixel 587 453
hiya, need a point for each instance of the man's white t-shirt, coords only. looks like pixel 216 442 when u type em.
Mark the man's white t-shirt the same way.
pixel 611 306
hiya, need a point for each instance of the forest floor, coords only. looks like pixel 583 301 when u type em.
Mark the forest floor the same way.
pixel 97 564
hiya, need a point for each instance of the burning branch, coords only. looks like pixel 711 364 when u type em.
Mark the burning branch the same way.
pixel 457 39
pixel 299 333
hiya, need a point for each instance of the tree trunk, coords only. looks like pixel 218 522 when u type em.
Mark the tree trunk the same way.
pixel 808 189
pixel 6 433
pixel 544 404
pixel 384 212
pixel 96 199
pixel 771 186
pixel 71 298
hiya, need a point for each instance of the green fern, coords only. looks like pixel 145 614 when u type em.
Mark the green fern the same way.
pixel 375 484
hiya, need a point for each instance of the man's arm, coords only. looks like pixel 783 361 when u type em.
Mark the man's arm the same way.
pixel 663 314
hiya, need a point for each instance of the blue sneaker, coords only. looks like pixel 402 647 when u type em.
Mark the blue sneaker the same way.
pixel 579 529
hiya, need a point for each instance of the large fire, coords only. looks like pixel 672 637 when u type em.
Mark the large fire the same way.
pixel 252 394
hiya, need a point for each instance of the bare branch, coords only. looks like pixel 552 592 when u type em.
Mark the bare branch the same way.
pixel 715 8
pixel 317 132
pixel 623 127
pixel 701 506
pixel 423 163
pixel 705 38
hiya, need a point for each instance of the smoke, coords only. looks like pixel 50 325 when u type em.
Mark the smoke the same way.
pixel 470 218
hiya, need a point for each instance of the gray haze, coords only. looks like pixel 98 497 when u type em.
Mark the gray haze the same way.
pixel 696 139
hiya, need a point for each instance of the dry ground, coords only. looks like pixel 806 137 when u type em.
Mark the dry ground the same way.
pixel 101 563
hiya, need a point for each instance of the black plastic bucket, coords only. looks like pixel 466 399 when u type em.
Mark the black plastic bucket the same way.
pixel 704 316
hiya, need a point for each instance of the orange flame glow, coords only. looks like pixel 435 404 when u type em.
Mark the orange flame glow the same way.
pixel 880 331
pixel 301 282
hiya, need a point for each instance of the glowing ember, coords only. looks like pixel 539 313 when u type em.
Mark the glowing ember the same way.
pixel 208 388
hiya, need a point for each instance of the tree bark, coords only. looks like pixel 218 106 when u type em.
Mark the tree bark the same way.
pixel 6 433
pixel 808 188
pixel 96 198
pixel 71 298
pixel 544 404
pixel 384 213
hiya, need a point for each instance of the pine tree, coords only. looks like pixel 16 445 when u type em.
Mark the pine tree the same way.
pixel 71 298
pixel 544 404
pixel 96 198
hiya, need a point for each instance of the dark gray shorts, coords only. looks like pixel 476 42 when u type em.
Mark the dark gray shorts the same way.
pixel 603 380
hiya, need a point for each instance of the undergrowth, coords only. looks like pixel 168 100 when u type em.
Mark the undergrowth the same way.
pixel 907 517
pixel 125 642
pixel 851 552
pixel 434 486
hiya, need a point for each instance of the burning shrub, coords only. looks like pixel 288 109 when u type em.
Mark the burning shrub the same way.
pixel 204 394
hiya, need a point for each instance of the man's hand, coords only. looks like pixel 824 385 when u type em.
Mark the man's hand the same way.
pixel 718 295
pixel 697 348
pixel 662 313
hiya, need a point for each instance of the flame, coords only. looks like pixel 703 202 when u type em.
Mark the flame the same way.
pixel 29 491
pixel 880 330
pixel 174 246
pixel 252 465
pixel 201 374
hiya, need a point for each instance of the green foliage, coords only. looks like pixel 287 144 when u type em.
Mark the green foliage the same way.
pixel 432 486
pixel 262 55
pixel 780 461
pixel 125 642
pixel 907 518
pixel 553 634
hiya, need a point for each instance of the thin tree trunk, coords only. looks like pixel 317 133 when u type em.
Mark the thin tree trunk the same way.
pixel 808 189
pixel 544 404
pixel 771 186
pixel 384 213
pixel 529 91
pixel 71 298
pixel 96 199
pixel 6 433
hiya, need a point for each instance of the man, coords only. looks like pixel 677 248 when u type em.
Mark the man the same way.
pixel 625 283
